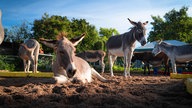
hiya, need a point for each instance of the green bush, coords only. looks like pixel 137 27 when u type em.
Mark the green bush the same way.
pixel 121 68
pixel 45 63
pixel 118 68
pixel 6 64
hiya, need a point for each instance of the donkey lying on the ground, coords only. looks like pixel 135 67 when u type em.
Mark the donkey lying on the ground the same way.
pixel 67 66
pixel 29 52
pixel 175 53
pixel 94 56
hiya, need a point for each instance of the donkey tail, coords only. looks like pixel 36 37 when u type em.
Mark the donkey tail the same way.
pixel 97 75
pixel 25 46
pixel 60 79
pixel 31 42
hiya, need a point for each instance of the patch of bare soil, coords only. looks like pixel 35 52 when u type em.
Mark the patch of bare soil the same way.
pixel 138 91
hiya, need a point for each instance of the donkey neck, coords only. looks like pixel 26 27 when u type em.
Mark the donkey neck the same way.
pixel 166 49
pixel 130 39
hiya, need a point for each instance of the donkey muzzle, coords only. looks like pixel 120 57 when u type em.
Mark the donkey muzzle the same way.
pixel 143 43
pixel 71 72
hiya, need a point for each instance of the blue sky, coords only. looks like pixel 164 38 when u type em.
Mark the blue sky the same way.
pixel 101 13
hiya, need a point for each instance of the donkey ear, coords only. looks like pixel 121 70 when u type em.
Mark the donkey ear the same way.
pixel 76 40
pixel 145 23
pixel 132 22
pixel 159 41
pixel 49 43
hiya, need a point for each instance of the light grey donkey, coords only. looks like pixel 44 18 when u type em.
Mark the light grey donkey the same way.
pixel 175 53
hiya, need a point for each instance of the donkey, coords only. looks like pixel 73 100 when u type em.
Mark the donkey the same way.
pixel 124 45
pixel 94 56
pixel 29 53
pixel 148 58
pixel 1 29
pixel 67 66
pixel 175 53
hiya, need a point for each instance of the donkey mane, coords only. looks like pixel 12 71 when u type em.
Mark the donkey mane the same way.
pixel 61 35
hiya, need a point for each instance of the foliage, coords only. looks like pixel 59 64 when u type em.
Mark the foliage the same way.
pixel 105 33
pixel 45 63
pixel 118 68
pixel 121 68
pixel 18 33
pixel 177 25
pixel 49 27
pixel 5 64
pixel 108 32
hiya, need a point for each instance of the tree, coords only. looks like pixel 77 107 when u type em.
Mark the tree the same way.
pixel 177 25
pixel 108 32
pixel 80 26
pixel 49 26
pixel 18 33
pixel 105 33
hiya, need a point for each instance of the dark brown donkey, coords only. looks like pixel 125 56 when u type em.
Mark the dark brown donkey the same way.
pixel 123 45
pixel 155 61
pixel 94 56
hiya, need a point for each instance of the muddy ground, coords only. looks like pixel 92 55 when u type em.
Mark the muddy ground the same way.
pixel 140 91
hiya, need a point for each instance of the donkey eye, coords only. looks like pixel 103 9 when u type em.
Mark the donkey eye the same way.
pixel 61 52
pixel 139 30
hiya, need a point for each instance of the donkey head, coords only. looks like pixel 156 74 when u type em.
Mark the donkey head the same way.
pixel 140 31
pixel 156 49
pixel 65 52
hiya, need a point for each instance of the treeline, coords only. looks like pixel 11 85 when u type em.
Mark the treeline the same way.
pixel 49 26
pixel 175 25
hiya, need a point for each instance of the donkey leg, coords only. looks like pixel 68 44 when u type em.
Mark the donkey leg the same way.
pixel 144 68
pixel 28 65
pixel 148 68
pixel 33 64
pixel 173 66
pixel 25 65
pixel 36 63
pixel 36 57
pixel 127 65
pixel 128 68
pixel 102 64
pixel 111 59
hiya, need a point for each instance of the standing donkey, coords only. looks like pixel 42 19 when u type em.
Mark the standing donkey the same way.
pixel 124 45
pixel 94 56
pixel 155 61
pixel 67 66
pixel 175 53
pixel 1 30
pixel 29 52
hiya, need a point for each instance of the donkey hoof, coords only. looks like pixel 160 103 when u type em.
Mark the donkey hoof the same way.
pixel 112 76
pixel 128 76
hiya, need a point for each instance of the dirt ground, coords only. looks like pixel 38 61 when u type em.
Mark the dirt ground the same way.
pixel 140 91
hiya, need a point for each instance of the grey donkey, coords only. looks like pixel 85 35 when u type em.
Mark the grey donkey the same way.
pixel 67 66
pixel 29 53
